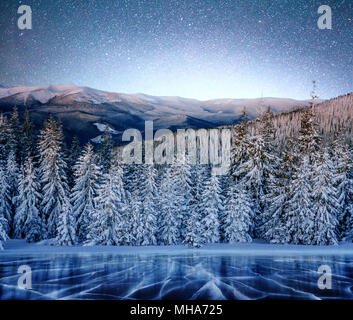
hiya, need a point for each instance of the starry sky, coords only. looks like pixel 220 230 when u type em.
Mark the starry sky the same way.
pixel 201 49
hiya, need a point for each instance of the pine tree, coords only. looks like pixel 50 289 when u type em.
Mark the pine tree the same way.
pixel 75 152
pixel 108 224
pixel 299 217
pixel 148 213
pixel 85 190
pixel 325 203
pixel 28 223
pixel 239 151
pixel 12 173
pixel 275 211
pixel 183 194
pixel 66 233
pixel 16 134
pixel 255 174
pixel 5 200
pixel 3 234
pixel 52 175
pixel 105 152
pixel 342 164
pixel 168 227
pixel 136 225
pixel 211 207
pixel 238 216
pixel 27 137
pixel 193 237
pixel 6 138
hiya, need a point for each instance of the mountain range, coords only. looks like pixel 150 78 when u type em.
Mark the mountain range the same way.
pixel 85 111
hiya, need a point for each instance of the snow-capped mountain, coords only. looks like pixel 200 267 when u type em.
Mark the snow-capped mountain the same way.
pixel 81 108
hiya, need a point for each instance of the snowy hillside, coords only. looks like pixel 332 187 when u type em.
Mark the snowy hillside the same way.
pixel 79 108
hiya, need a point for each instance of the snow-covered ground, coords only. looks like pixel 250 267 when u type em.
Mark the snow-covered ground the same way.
pixel 257 248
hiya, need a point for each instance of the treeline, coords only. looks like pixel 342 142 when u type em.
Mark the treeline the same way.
pixel 301 194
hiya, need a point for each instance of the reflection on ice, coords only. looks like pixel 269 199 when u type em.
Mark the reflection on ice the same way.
pixel 193 276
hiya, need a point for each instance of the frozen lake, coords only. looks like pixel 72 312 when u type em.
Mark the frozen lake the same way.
pixel 174 276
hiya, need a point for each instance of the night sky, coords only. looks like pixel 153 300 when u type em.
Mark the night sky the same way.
pixel 199 49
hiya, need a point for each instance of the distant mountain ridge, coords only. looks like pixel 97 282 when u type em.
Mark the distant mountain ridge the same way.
pixel 80 107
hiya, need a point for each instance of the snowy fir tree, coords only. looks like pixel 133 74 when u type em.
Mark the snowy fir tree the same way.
pixel 299 217
pixel 255 175
pixel 183 194
pixel 3 233
pixel 211 205
pixel 5 200
pixel 28 222
pixel 193 236
pixel 28 143
pixel 107 226
pixel 52 175
pixel 74 154
pixel 326 205
pixel 167 221
pixel 148 213
pixel 239 151
pixel 12 173
pixel 83 195
pixel 105 152
pixel 341 167
pixel 238 216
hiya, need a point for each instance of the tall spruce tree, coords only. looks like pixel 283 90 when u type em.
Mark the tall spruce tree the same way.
pixel 83 195
pixel 108 224
pixel 325 202
pixel 211 207
pixel 52 175
pixel 28 223
pixel 167 221
pixel 5 199
pixel 238 216
pixel 183 194
pixel 148 213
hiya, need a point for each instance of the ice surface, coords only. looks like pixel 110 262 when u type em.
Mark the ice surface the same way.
pixel 126 273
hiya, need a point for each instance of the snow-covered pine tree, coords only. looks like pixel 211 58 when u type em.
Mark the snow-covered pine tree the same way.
pixel 325 202
pixel 12 172
pixel 238 216
pixel 136 226
pixel 85 190
pixel 105 151
pixel 211 204
pixel 16 135
pixel 148 214
pixel 274 228
pixel 3 233
pixel 28 223
pixel 309 140
pixel 27 138
pixel 5 199
pixel 239 151
pixel 342 165
pixel 267 130
pixel 108 226
pixel 183 194
pixel 6 141
pixel 193 237
pixel 75 152
pixel 52 175
pixel 299 216
pixel 167 222
pixel 255 174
